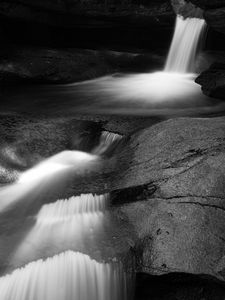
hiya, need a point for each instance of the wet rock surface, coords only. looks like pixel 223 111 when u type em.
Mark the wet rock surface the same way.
pixel 42 65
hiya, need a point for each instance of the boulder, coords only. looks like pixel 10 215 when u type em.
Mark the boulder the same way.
pixel 213 81
pixel 177 213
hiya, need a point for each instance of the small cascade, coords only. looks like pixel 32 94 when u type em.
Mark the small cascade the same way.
pixel 67 276
pixel 72 223
pixel 64 210
pixel 107 140
pixel 182 54
pixel 64 274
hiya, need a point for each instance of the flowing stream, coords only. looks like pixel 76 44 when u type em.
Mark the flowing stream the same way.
pixel 65 228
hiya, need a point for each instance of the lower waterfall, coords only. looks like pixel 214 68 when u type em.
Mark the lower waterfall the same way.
pixel 67 276
pixel 48 265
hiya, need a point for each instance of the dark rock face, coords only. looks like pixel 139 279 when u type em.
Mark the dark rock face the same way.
pixel 216 19
pixel 213 81
pixel 87 24
pixel 214 13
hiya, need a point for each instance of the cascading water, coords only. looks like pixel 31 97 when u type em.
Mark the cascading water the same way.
pixel 51 261
pixel 68 275
pixel 65 224
pixel 184 46
pixel 107 140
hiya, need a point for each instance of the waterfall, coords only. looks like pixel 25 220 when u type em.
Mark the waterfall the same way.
pixel 65 224
pixel 163 92
pixel 64 210
pixel 107 140
pixel 182 54
pixel 67 276
pixel 62 231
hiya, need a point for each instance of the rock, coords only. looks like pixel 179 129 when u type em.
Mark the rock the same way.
pixel 213 81
pixel 214 13
pixel 186 9
pixel 216 19
pixel 178 220
pixel 40 65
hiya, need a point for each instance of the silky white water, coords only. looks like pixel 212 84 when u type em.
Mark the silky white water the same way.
pixel 61 229
pixel 72 223
pixel 168 90
pixel 45 174
pixel 67 276
pixel 183 49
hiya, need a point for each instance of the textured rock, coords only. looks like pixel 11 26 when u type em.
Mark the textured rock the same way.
pixel 179 228
pixel 186 9
pixel 216 18
pixel 213 81
pixel 167 150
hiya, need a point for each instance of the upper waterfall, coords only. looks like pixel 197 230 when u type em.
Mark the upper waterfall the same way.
pixel 186 38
